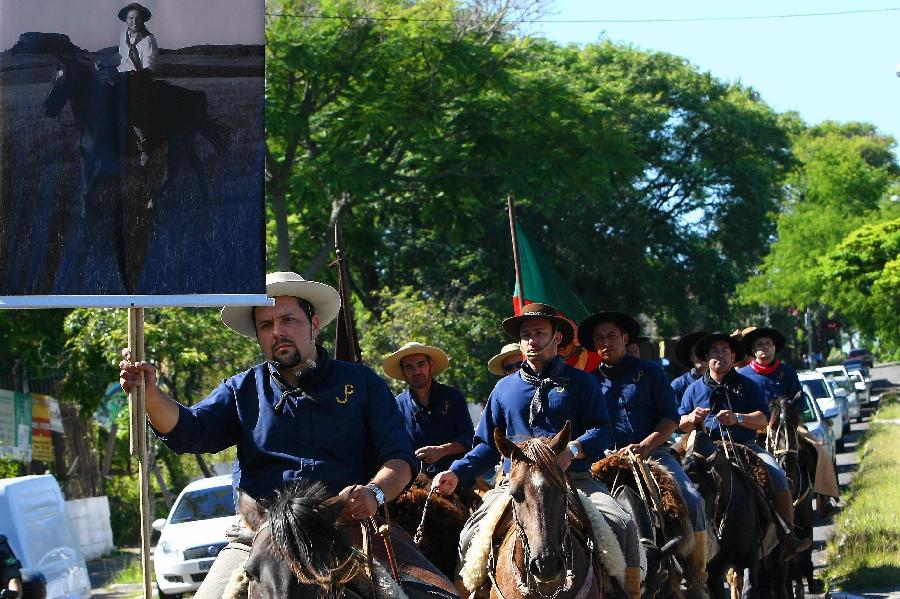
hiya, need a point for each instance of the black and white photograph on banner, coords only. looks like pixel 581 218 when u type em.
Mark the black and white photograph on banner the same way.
pixel 131 147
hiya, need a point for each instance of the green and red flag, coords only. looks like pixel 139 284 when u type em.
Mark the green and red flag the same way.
pixel 541 282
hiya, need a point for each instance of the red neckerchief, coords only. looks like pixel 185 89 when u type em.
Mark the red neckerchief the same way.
pixel 765 370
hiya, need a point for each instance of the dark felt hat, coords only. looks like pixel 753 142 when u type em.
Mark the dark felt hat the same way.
pixel 586 328
pixel 776 337
pixel 702 346
pixel 145 12
pixel 686 344
pixel 537 310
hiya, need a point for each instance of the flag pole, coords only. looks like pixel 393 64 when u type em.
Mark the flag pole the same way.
pixel 138 439
pixel 515 247
pixel 346 341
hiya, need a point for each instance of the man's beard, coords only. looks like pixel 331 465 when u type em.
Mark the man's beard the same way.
pixel 288 358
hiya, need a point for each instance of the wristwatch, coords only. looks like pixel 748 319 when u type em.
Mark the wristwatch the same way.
pixel 573 447
pixel 740 418
pixel 379 494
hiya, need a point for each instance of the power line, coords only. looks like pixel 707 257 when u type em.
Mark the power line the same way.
pixel 598 21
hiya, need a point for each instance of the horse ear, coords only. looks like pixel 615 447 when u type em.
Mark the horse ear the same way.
pixel 250 510
pixel 561 439
pixel 506 447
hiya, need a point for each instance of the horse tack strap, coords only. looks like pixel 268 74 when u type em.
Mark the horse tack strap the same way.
pixel 384 531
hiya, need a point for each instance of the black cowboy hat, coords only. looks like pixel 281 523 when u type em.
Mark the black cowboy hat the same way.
pixel 686 344
pixel 586 328
pixel 701 348
pixel 537 310
pixel 776 337
pixel 145 12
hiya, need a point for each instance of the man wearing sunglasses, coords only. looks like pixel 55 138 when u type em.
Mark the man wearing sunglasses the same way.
pixel 435 415
pixel 508 361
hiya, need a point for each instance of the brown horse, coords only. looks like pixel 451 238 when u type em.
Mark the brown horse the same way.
pixel 442 525
pixel 544 554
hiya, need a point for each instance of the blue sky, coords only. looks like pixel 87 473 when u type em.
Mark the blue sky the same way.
pixel 826 68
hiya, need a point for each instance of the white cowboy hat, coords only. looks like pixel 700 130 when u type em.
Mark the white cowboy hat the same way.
pixel 391 364
pixel 324 299
pixel 495 364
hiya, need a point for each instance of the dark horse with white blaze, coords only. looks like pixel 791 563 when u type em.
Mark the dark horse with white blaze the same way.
pixel 301 550
pixel 177 116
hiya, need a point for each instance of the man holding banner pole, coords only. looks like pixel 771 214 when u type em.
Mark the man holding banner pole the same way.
pixel 299 415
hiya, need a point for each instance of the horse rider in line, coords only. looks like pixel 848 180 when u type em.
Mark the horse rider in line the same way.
pixel 576 356
pixel 299 415
pixel 684 353
pixel 508 361
pixel 779 379
pixel 137 51
pixel 435 415
pixel 722 398
pixel 644 414
pixel 537 401
pixel 633 348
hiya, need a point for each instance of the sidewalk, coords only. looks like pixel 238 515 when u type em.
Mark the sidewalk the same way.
pixel 102 570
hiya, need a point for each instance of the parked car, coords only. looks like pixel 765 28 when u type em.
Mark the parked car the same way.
pixel 863 387
pixel 34 519
pixel 818 423
pixel 193 535
pixel 842 387
pixel 861 353
pixel 815 384
pixel 859 365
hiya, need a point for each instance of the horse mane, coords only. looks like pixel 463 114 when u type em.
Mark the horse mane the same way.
pixel 303 522
pixel 538 453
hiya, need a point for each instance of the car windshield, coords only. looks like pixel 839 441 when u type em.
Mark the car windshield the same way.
pixel 817 389
pixel 216 502
pixel 856 352
pixel 809 412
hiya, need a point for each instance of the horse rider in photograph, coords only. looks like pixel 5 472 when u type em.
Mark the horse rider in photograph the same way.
pixel 138 51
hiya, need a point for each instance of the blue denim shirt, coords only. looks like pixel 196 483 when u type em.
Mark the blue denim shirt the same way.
pixel 340 435
pixel 637 397
pixel 745 395
pixel 507 408
pixel 784 381
pixel 446 419
pixel 680 384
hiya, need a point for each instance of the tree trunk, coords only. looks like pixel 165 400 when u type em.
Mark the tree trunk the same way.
pixel 318 261
pixel 203 467
pixel 160 480
pixel 108 454
pixel 282 234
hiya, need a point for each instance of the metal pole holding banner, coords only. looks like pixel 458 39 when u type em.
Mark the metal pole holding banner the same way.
pixel 515 246
pixel 137 435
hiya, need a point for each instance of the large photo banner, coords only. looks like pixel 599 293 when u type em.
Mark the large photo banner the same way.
pixel 131 151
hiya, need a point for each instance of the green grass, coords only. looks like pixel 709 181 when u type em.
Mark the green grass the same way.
pixel 864 552
pixel 132 573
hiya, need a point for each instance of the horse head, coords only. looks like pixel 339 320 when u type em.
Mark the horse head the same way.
pixel 65 80
pixel 539 493
pixel 299 550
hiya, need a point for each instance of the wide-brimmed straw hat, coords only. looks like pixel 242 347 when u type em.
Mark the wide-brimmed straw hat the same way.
pixel 495 364
pixel 751 336
pixel 686 344
pixel 537 310
pixel 145 12
pixel 323 298
pixel 391 364
pixel 701 349
pixel 625 322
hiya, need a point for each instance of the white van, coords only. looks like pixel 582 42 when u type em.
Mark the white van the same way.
pixel 33 517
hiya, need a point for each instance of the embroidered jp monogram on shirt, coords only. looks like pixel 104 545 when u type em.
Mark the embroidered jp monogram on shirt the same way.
pixel 639 375
pixel 348 391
